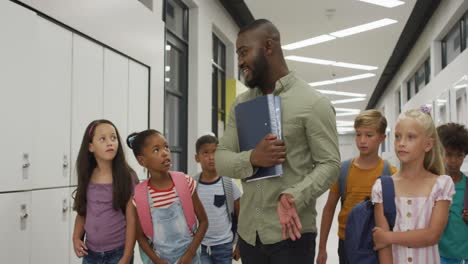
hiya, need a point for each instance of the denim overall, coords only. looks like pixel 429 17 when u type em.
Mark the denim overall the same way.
pixel 171 234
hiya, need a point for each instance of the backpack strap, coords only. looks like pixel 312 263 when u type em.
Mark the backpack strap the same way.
pixel 143 208
pixel 344 169
pixel 185 197
pixel 229 194
pixel 388 194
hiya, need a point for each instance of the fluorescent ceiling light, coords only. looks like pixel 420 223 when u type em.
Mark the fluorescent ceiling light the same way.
pixel 355 66
pixel 385 3
pixel 350 100
pixel 363 27
pixel 310 60
pixel 347 113
pixel 308 42
pixel 460 86
pixel 332 63
pixel 342 93
pixel 344 79
pixel 168 47
pixel 322 83
pixel 354 77
pixel 348 109
pixel 168 68
pixel 344 123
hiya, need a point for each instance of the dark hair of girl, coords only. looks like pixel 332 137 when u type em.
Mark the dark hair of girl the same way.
pixel 122 174
pixel 136 141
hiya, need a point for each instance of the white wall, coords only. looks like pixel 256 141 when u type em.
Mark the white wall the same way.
pixel 205 17
pixel 446 15
pixel 347 146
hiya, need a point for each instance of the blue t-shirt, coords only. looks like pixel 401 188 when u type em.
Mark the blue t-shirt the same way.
pixel 454 241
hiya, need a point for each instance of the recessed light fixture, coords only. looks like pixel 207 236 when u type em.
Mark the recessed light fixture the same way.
pixel 339 34
pixel 364 27
pixel 308 42
pixel 385 3
pixel 344 123
pixel 342 93
pixel 330 62
pixel 344 79
pixel 350 100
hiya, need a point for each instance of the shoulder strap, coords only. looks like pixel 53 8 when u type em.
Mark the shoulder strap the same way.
pixel 185 197
pixel 229 194
pixel 344 169
pixel 388 194
pixel 143 208
pixel 386 169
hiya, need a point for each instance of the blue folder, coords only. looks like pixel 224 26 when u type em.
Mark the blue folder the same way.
pixel 255 119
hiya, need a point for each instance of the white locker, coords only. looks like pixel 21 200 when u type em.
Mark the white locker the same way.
pixel 138 108
pixel 18 88
pixel 71 224
pixel 50 214
pixel 51 137
pixel 116 91
pixel 87 91
pixel 16 227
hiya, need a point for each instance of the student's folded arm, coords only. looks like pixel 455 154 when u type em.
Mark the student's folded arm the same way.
pixel 385 254
pixel 229 160
pixel 322 139
pixel 428 236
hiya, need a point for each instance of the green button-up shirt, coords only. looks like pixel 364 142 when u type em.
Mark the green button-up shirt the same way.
pixel 311 167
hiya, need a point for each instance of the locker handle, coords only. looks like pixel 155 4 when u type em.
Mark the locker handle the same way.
pixel 23 216
pixel 65 206
pixel 65 161
pixel 26 163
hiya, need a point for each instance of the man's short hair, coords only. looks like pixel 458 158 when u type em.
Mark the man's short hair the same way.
pixel 206 139
pixel 454 136
pixel 371 118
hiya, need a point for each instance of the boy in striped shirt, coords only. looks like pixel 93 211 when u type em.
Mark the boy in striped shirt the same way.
pixel 220 196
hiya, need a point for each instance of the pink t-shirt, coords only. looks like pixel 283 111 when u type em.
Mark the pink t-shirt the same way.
pixel 415 213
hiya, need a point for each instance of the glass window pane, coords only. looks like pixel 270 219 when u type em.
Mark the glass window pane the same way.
pixel 409 89
pixel 222 56
pixel 427 66
pixel 175 18
pixel 173 71
pixel 420 79
pixel 453 43
pixel 172 119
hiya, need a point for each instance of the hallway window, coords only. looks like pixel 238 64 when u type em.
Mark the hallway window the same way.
pixel 453 43
pixel 218 115
pixel 176 82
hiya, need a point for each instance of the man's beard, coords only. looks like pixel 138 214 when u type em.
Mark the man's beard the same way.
pixel 260 69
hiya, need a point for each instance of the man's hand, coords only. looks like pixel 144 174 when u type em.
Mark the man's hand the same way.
pixel 269 152
pixel 465 214
pixel 289 220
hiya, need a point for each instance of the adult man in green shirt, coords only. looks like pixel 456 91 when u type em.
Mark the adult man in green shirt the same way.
pixel 275 208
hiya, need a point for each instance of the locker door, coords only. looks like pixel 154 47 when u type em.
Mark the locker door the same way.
pixel 71 224
pixel 138 108
pixel 16 227
pixel 18 88
pixel 49 229
pixel 51 150
pixel 116 91
pixel 87 91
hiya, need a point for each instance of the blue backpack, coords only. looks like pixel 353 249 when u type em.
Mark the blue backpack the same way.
pixel 358 242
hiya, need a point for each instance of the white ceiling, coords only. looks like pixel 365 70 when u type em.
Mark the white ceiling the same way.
pixel 301 19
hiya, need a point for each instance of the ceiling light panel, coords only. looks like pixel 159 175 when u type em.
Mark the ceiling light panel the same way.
pixel 385 3
pixel 363 27
pixel 330 62
pixel 344 79
pixel 308 42
pixel 342 93
pixel 350 100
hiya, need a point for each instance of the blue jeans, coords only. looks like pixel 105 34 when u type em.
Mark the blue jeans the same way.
pixel 108 257
pixel 452 261
pixel 218 254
